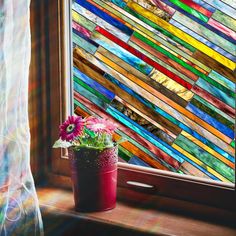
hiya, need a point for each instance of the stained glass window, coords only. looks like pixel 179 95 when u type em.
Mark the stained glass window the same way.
pixel 163 71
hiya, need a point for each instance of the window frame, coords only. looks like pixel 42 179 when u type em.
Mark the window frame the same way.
pixel 165 183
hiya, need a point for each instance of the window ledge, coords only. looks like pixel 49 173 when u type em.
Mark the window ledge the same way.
pixel 126 218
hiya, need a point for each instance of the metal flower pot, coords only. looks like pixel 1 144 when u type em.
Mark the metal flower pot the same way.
pixel 94 178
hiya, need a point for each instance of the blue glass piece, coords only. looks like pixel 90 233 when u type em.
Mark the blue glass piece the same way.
pixel 205 5
pixel 221 6
pixel 122 53
pixel 137 161
pixel 170 118
pixel 210 120
pixel 216 92
pixel 203 40
pixel 82 43
pixel 105 16
pixel 119 3
pixel 93 84
pixel 90 96
pixel 201 22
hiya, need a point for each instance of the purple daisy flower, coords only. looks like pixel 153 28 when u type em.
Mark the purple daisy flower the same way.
pixel 71 128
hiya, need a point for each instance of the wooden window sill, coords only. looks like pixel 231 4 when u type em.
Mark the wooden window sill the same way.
pixel 129 219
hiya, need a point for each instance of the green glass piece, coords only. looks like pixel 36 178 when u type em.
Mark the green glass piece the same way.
pixel 233 144
pixel 205 157
pixel 80 82
pixel 212 113
pixel 123 156
pixel 190 10
pixel 124 153
pixel 222 80
pixel 163 31
pixel 180 172
pixel 219 86
pixel 81 20
pixel 83 44
pixel 224 19
pixel 90 96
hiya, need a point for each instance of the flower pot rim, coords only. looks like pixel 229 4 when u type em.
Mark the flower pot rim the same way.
pixel 92 148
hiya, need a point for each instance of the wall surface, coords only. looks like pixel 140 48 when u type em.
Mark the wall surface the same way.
pixel 164 71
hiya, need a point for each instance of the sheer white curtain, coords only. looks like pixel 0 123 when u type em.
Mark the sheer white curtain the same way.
pixel 19 211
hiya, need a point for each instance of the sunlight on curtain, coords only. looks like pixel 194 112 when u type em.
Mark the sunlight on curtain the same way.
pixel 19 210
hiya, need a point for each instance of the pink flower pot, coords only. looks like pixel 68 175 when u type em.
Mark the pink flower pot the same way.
pixel 94 178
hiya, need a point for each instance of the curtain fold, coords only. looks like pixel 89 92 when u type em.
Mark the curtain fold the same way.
pixel 19 209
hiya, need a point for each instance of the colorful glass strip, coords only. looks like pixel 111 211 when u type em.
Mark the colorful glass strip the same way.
pixel 164 72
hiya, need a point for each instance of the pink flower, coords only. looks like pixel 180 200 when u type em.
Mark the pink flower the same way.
pixel 100 125
pixel 71 128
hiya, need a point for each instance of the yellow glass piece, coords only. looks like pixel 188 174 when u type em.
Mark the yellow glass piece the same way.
pixel 171 85
pixel 174 53
pixel 200 163
pixel 147 4
pixel 75 16
pixel 177 32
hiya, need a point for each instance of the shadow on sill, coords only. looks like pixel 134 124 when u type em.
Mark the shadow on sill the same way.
pixel 65 224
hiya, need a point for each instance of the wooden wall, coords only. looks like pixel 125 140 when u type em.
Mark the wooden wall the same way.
pixel 38 86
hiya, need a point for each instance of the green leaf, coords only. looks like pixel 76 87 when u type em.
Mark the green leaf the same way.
pixel 61 144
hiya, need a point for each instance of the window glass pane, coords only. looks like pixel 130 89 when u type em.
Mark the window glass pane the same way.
pixel 163 71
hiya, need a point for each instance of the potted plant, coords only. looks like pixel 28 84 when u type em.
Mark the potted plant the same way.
pixel 93 159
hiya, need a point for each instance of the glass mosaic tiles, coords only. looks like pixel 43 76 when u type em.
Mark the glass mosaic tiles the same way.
pixel 164 72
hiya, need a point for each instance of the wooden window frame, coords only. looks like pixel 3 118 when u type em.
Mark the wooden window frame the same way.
pixel 194 189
